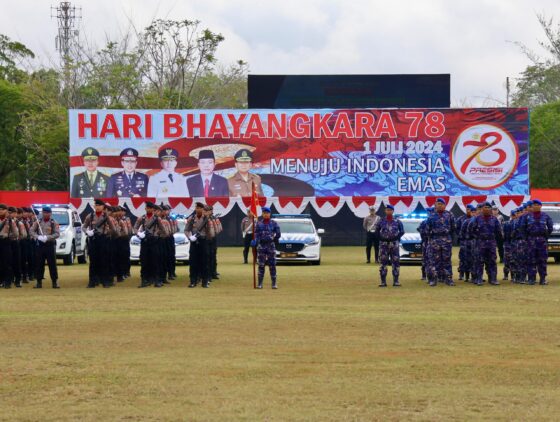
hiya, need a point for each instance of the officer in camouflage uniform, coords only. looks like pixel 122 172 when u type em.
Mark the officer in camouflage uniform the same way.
pixel 440 228
pixel 389 231
pixel 463 257
pixel 486 229
pixel 518 246
pixel 521 243
pixel 100 228
pixel 508 241
pixel 267 233
pixel 149 229
pixel 7 229
pixel 537 226
pixel 16 239
pixel 45 231
pixel 423 230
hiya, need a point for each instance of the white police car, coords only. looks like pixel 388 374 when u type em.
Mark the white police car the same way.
pixel 299 240
pixel 72 242
pixel 411 243
pixel 181 243
pixel 554 239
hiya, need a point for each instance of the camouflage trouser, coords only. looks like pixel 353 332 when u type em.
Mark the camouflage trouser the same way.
pixel 266 255
pixel 425 257
pixel 520 259
pixel 507 259
pixel 473 255
pixel 537 257
pixel 440 259
pixel 389 255
pixel 486 251
pixel 464 258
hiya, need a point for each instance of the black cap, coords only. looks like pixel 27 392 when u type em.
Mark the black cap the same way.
pixel 206 153
pixel 129 153
pixel 243 155
pixel 47 209
pixel 99 202
pixel 199 205
pixel 90 153
pixel 3 207
pixel 12 209
pixel 150 204
pixel 168 154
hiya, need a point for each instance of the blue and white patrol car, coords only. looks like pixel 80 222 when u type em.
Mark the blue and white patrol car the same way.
pixel 411 242
pixel 300 240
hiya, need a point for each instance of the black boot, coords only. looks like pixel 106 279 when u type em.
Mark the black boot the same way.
pixel 260 284
pixel 7 284
pixel 17 283
pixel 383 281
pixel 467 277
pixel 39 284
pixel 396 282
pixel 543 282
pixel 274 285
pixel 461 277
pixel 55 284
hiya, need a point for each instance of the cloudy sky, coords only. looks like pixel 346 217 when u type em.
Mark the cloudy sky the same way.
pixel 472 40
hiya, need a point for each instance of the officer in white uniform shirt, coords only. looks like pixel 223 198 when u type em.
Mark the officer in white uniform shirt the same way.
pixel 167 183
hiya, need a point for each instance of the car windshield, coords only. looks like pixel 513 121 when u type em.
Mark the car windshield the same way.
pixel 411 226
pixel 295 226
pixel 61 218
pixel 555 215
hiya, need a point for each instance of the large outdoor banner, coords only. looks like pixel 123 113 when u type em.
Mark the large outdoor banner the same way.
pixel 305 153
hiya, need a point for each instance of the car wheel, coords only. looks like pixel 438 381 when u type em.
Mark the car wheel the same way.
pixel 557 259
pixel 318 262
pixel 82 259
pixel 69 259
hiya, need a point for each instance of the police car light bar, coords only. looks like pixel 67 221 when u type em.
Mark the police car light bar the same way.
pixel 66 206
pixel 291 215
pixel 415 215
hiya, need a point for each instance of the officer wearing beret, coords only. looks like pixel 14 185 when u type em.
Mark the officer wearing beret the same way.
pixel 267 233
pixel 7 228
pixel 199 231
pixel 90 183
pixel 389 232
pixel 537 227
pixel 241 183
pixel 129 182
pixel 45 231
pixel 207 183
pixel 486 229
pixel 168 183
pixel 440 227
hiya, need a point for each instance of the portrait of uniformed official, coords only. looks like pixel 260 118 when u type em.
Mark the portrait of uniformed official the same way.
pixel 128 183
pixel 90 183
pixel 240 184
pixel 207 183
pixel 168 182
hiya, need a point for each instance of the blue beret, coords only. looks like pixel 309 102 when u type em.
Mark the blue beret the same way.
pixel 47 209
pixel 513 212
pixel 537 202
pixel 265 209
pixel 390 207
pixel 441 200
pixel 471 207
pixel 529 203
pixel 487 204
pixel 479 205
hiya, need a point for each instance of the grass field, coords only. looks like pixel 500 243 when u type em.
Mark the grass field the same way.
pixel 329 345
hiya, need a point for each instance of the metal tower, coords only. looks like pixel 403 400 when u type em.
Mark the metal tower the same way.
pixel 66 15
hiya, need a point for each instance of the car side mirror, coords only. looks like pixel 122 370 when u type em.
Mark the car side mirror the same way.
pixel 320 231
pixel 77 224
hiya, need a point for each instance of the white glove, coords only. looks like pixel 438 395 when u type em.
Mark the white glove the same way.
pixel 192 238
pixel 42 239
pixel 141 235
pixel 89 232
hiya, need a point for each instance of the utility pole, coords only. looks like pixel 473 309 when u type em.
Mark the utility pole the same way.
pixel 66 14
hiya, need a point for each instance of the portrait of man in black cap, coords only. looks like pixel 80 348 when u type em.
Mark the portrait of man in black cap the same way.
pixel 207 183
pixel 128 183
pixel 90 183
pixel 240 184
pixel 168 183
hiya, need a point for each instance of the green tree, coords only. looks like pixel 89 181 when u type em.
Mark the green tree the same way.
pixel 545 145
pixel 540 81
